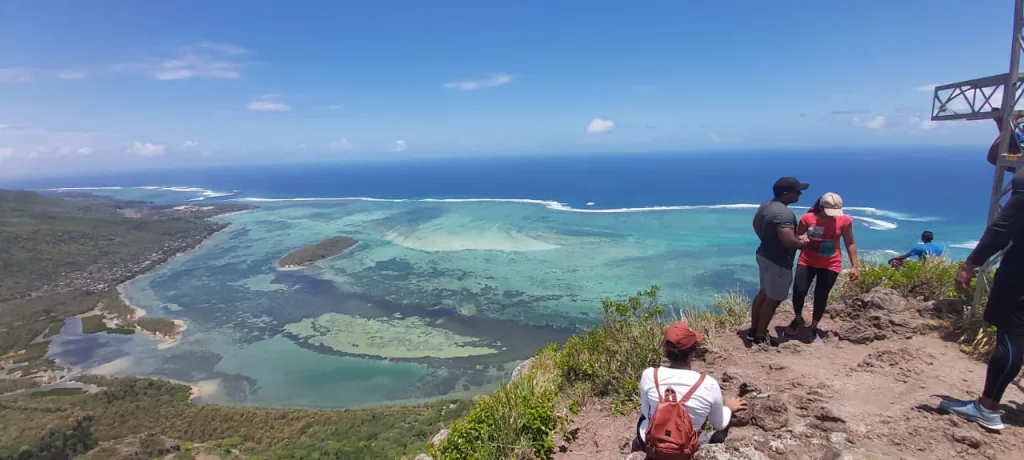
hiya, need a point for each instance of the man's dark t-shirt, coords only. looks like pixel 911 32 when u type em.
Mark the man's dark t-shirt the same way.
pixel 1005 309
pixel 775 215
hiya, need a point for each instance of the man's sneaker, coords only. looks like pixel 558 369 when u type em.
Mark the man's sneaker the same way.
pixel 795 325
pixel 972 411
pixel 767 341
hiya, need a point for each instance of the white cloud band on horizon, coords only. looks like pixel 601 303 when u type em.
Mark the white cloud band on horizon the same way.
pixel 147 149
pixel 598 125
pixel 339 144
pixel 469 85
pixel 876 122
pixel 268 106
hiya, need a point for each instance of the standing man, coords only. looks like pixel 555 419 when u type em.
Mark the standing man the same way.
pixel 775 226
pixel 922 251
pixel 1005 309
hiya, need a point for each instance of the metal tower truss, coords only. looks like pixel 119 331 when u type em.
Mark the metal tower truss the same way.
pixel 988 98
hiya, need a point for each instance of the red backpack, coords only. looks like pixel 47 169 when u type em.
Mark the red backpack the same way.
pixel 670 434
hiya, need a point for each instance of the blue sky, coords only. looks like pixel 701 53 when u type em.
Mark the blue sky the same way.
pixel 132 84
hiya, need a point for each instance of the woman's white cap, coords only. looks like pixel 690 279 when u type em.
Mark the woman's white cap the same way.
pixel 832 204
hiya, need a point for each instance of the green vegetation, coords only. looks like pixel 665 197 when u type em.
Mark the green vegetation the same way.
pixel 327 248
pixel 57 392
pixel 514 422
pixel 928 280
pixel 93 323
pixel 15 384
pixel 53 329
pixel 157 325
pixel 130 406
pixel 33 351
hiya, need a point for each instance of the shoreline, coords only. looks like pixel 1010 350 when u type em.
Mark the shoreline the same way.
pixel 138 312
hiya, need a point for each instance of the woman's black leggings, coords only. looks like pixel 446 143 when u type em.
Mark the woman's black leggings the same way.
pixel 1003 365
pixel 802 283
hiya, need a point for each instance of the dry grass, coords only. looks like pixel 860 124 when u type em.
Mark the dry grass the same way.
pixel 731 313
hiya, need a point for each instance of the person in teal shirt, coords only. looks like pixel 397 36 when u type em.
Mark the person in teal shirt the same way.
pixel 921 252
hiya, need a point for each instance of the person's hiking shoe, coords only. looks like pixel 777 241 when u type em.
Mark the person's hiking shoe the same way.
pixel 794 326
pixel 972 411
pixel 767 341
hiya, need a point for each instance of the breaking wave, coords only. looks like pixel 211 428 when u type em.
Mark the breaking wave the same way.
pixel 965 245
pixel 873 218
pixel 203 193
pixel 876 224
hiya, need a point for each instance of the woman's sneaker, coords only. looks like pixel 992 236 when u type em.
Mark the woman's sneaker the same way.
pixel 972 411
pixel 794 326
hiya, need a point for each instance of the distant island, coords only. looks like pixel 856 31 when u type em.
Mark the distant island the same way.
pixel 303 257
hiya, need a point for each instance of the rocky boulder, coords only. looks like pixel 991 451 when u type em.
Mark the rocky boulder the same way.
pixel 878 315
pixel 767 412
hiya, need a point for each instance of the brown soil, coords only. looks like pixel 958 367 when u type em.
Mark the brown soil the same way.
pixel 844 400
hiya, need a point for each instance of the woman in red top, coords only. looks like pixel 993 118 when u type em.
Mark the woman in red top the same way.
pixel 822 259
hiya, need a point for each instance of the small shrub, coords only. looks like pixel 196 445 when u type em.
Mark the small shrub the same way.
pixel 609 358
pixel 515 422
pixel 730 314
pixel 931 279
pixel 93 323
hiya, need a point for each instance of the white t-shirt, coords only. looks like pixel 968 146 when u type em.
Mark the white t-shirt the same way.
pixel 706 401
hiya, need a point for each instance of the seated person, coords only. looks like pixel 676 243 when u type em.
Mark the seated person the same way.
pixel 706 403
pixel 922 251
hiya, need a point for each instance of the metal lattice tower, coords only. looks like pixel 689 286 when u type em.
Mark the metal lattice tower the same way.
pixel 976 100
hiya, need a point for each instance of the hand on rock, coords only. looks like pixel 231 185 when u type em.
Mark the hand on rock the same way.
pixel 736 404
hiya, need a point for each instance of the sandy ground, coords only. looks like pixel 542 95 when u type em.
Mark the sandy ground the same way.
pixel 844 400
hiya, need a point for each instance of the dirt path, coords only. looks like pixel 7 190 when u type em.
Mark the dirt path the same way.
pixel 834 399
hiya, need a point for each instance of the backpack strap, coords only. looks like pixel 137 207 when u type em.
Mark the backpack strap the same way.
pixel 693 389
pixel 657 387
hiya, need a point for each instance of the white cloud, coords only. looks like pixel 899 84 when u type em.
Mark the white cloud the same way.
pixel 206 60
pixel 300 146
pixel 147 149
pixel 6 152
pixel 598 125
pixel 922 123
pixel 16 75
pixel 714 137
pixel 268 106
pixel 189 145
pixel 33 142
pixel 72 74
pixel 876 122
pixel 334 106
pixel 469 85
pixel 339 144
pixel 399 146
pixel 927 88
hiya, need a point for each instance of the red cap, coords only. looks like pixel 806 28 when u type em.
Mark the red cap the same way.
pixel 681 336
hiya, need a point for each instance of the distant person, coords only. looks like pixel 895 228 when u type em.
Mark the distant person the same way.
pixel 775 226
pixel 699 395
pixel 822 259
pixel 922 251
pixel 1005 309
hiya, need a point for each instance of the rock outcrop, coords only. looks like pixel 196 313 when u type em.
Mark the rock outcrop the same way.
pixel 878 315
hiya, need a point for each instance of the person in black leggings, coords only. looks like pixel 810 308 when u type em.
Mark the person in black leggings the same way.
pixel 822 259
pixel 1005 308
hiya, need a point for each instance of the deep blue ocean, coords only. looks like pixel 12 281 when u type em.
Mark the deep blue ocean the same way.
pixel 950 182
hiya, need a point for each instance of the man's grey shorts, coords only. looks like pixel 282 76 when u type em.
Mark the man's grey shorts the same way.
pixel 774 280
